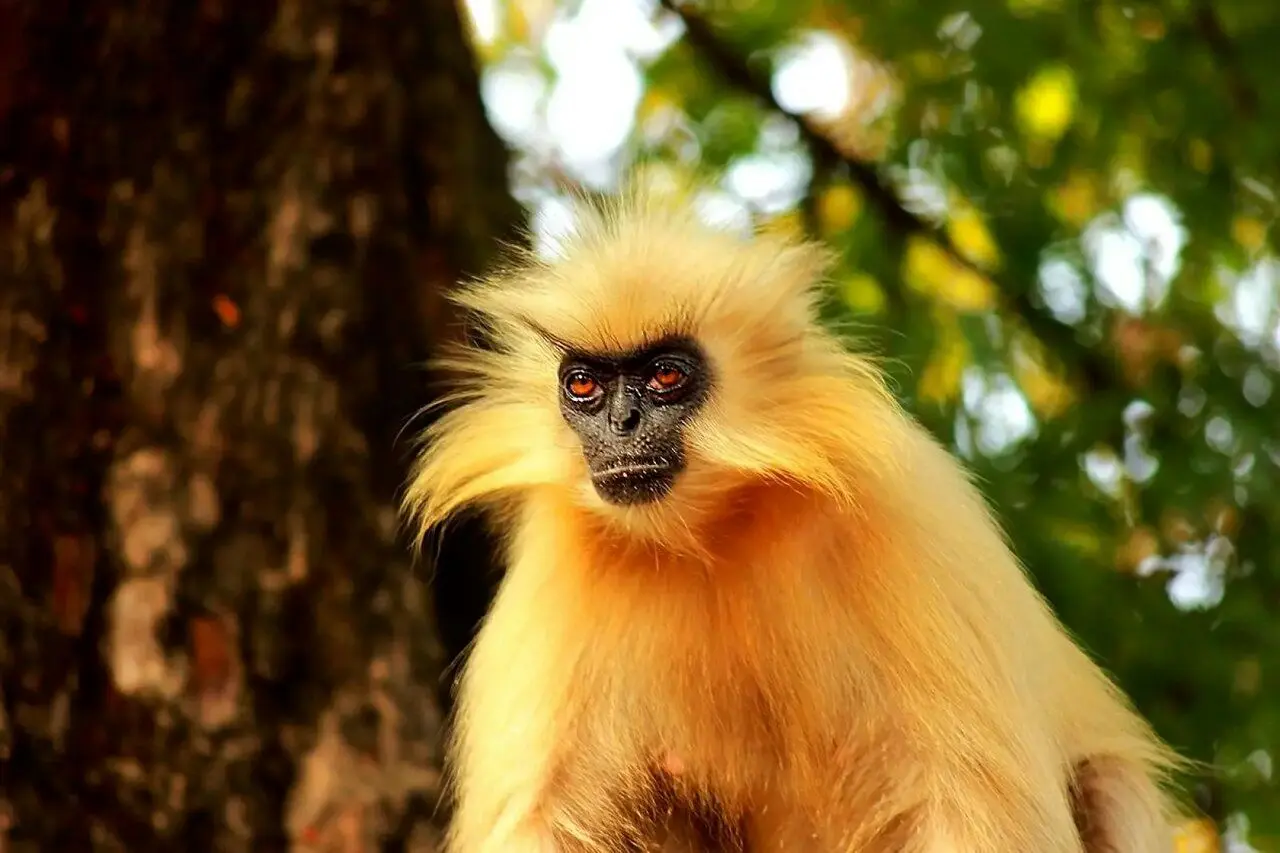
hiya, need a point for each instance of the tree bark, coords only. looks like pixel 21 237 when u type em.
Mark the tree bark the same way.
pixel 224 233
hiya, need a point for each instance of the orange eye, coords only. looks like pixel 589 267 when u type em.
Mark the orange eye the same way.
pixel 666 377
pixel 581 385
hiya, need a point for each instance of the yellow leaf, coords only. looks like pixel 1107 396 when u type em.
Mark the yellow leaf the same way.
pixel 1076 200
pixel 1024 8
pixel 970 235
pixel 928 65
pixel 1250 233
pixel 1140 544
pixel 1115 26
pixel 929 269
pixel 1082 537
pixel 1047 393
pixel 1039 153
pixel 1196 836
pixel 838 207
pixel 518 25
pixel 863 293
pixel 655 102
pixel 486 27
pixel 1248 677
pixel 1177 528
pixel 1129 163
pixel 940 380
pixel 968 290
pixel 1047 103
pixel 836 19
pixel 1149 25
pixel 1223 517
pixel 1201 155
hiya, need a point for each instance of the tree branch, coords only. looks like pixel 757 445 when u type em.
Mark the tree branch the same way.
pixel 1209 27
pixel 1095 371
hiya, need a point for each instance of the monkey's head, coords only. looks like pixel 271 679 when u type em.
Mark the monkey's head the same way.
pixel 652 371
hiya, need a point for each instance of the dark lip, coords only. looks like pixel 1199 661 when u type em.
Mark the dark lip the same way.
pixel 634 483
pixel 632 468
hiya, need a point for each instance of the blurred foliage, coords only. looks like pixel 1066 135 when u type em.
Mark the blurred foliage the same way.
pixel 1055 220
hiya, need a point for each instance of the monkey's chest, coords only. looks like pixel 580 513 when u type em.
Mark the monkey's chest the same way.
pixel 715 755
pixel 719 691
pixel 712 720
pixel 715 724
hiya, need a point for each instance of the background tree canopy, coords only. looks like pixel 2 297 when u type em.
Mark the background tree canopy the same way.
pixel 1055 221
pixel 225 232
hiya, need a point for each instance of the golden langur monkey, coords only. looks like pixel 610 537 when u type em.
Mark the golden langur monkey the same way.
pixel 750 604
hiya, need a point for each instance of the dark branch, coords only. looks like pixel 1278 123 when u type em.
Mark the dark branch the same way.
pixel 741 75
pixel 1095 371
pixel 1209 27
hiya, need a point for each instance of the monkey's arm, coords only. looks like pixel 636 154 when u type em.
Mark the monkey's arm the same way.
pixel 1118 807
pixel 511 730
pixel 1117 766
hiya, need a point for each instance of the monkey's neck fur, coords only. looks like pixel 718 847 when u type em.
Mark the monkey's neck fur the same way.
pixel 821 621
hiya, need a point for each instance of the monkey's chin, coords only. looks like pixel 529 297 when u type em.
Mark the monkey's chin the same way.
pixel 634 484
pixel 670 511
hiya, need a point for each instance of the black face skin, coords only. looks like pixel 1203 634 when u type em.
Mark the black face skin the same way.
pixel 629 411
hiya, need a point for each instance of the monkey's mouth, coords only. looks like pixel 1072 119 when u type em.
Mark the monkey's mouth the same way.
pixel 633 482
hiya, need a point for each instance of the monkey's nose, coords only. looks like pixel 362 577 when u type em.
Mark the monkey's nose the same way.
pixel 624 422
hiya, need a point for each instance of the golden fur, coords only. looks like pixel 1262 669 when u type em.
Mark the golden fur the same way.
pixel 821 635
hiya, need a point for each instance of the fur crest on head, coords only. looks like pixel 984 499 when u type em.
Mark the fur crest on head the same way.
pixel 790 403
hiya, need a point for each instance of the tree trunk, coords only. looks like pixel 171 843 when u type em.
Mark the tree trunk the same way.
pixel 224 232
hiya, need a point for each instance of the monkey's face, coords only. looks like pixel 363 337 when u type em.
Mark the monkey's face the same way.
pixel 629 411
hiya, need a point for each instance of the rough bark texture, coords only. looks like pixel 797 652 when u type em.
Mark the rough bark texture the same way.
pixel 224 230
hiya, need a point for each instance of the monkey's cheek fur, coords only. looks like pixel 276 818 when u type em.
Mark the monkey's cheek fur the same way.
pixel 635 484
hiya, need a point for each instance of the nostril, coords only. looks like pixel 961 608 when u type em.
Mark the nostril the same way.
pixel 627 423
